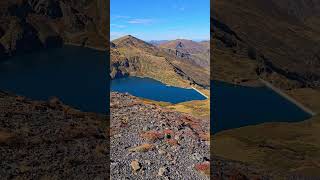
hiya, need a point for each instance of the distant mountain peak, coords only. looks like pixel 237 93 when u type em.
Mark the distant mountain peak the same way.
pixel 130 41
pixel 126 37
pixel 179 45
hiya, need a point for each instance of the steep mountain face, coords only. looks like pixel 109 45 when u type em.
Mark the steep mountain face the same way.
pixel 28 25
pixel 197 53
pixel 132 56
pixel 277 40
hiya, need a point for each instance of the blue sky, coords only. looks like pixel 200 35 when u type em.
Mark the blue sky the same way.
pixel 160 19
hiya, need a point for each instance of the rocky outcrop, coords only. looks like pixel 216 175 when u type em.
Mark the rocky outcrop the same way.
pixel 20 37
pixel 52 23
pixel 125 68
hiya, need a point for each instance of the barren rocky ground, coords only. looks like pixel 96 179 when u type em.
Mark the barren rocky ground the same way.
pixel 48 140
pixel 151 142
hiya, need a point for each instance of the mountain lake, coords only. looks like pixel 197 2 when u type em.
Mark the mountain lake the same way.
pixel 235 106
pixel 75 75
pixel 154 90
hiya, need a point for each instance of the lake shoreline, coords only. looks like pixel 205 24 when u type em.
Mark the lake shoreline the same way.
pixel 200 92
pixel 86 46
pixel 144 87
pixel 292 100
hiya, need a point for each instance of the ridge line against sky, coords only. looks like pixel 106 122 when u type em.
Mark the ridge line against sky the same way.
pixel 160 19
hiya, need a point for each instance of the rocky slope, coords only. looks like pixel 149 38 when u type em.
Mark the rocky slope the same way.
pixel 29 25
pixel 132 56
pixel 148 141
pixel 278 40
pixel 49 140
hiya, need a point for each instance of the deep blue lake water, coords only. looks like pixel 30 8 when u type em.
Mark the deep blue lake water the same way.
pixel 236 106
pixel 152 89
pixel 75 75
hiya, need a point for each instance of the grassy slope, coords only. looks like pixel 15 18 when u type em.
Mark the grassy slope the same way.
pixel 148 64
pixel 155 67
pixel 196 108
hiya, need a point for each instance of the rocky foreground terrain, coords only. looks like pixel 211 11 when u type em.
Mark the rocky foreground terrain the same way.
pixel 151 142
pixel 48 140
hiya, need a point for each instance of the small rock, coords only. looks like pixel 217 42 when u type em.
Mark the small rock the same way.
pixel 160 151
pixel 174 162
pixel 176 137
pixel 142 148
pixel 135 165
pixel 162 171
pixel 196 156
pixel 148 162
pixel 170 157
pixel 145 128
pixel 117 135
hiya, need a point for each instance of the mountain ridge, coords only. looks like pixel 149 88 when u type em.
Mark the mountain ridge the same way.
pixel 195 52
pixel 132 56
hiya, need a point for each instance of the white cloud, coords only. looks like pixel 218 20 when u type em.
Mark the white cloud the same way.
pixel 118 26
pixel 120 17
pixel 140 21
